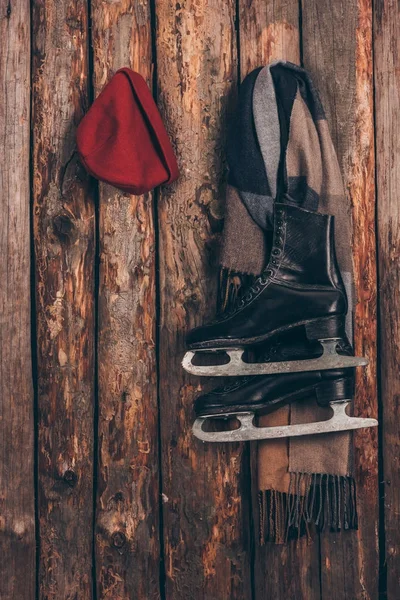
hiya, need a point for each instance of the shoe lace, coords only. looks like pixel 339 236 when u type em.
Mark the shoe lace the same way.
pixel 255 289
pixel 247 297
pixel 264 278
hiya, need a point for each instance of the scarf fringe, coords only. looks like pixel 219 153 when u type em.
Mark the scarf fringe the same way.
pixel 315 501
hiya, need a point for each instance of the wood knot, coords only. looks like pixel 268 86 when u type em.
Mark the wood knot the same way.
pixel 125 396
pixel 70 478
pixel 74 23
pixel 118 539
pixel 64 228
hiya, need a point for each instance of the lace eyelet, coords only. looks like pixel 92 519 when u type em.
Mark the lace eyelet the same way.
pixel 269 272
pixel 275 251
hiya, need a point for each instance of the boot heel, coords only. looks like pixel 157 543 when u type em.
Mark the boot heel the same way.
pixel 326 328
pixel 334 391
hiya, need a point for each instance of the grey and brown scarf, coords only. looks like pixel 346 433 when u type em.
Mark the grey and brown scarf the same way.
pixel 280 145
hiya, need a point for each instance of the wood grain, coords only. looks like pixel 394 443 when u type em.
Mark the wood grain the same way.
pixel 127 508
pixel 387 103
pixel 64 224
pixel 206 527
pixel 337 47
pixel 17 513
pixel 268 31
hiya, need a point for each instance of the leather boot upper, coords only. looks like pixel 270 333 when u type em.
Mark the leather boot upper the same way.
pixel 301 282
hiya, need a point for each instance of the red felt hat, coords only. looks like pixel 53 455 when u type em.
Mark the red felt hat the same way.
pixel 122 139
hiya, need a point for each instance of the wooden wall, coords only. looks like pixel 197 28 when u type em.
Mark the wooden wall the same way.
pixel 104 492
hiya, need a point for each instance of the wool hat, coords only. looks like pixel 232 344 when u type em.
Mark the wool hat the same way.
pixel 122 140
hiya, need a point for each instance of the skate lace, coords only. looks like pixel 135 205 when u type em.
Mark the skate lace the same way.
pixel 249 295
pixel 261 281
pixel 255 289
pixel 235 385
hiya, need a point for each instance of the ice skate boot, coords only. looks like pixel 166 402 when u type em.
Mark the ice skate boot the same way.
pixel 301 287
pixel 250 397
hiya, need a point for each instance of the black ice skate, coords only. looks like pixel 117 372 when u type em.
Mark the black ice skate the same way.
pixel 301 287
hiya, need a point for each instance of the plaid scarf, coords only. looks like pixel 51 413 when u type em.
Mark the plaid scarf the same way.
pixel 279 145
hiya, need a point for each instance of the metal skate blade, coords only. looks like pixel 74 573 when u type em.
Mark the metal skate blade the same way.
pixel 236 366
pixel 247 431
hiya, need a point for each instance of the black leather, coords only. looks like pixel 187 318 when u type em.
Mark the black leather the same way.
pixel 301 283
pixel 262 394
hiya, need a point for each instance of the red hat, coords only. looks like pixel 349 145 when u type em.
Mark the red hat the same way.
pixel 122 139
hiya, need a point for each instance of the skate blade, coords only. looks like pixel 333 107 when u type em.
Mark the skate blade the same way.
pixel 247 431
pixel 236 366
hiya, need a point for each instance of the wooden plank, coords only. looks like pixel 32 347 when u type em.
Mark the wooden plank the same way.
pixel 268 32
pixel 17 511
pixel 337 47
pixel 288 571
pixel 64 224
pixel 127 508
pixel 206 526
pixel 387 104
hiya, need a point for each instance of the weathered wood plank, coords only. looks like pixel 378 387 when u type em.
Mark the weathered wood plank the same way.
pixel 387 106
pixel 17 512
pixel 64 224
pixel 337 49
pixel 206 528
pixel 270 31
pixel 127 508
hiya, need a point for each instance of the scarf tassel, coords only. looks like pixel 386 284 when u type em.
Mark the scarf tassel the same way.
pixel 314 501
